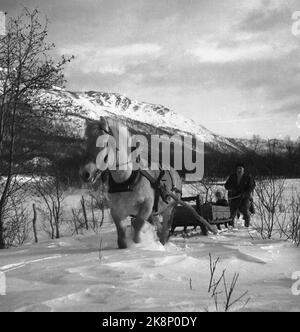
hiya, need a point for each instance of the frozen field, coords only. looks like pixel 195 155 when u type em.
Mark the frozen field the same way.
pixel 72 274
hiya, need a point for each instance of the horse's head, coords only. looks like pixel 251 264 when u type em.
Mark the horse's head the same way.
pixel 90 172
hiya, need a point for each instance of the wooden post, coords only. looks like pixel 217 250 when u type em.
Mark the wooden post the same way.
pixel 84 213
pixel 75 221
pixel 93 214
pixel 34 224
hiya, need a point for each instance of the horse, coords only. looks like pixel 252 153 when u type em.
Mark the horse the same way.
pixel 142 201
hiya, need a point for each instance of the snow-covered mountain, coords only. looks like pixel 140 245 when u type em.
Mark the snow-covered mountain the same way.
pixel 142 117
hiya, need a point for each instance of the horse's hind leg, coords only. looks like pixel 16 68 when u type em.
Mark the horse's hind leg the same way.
pixel 164 231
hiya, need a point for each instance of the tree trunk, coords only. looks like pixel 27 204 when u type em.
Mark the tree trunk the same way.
pixel 51 225
pixel 2 244
pixel 55 210
pixel 3 202
pixel 34 224
pixel 57 236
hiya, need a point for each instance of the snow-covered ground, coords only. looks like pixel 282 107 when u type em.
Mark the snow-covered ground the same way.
pixel 72 274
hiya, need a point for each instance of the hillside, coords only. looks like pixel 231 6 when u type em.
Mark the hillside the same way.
pixel 139 116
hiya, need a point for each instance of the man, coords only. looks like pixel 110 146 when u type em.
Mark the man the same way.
pixel 240 187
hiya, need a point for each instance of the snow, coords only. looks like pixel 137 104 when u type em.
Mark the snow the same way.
pixel 72 274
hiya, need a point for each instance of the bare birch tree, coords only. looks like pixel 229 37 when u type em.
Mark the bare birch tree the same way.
pixel 25 67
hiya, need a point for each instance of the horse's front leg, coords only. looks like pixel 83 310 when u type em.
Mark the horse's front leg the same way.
pixel 138 223
pixel 121 230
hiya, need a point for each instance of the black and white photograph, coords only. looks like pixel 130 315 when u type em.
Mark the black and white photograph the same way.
pixel 149 158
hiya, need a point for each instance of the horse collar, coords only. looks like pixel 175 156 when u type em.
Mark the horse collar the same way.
pixel 126 186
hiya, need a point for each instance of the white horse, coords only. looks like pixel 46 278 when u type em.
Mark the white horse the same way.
pixel 140 201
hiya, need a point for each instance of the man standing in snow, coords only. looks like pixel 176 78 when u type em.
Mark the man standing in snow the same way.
pixel 240 187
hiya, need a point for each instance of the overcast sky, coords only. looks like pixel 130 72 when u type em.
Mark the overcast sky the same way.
pixel 233 66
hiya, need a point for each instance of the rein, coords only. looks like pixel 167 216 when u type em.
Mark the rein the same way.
pixel 126 163
pixel 235 197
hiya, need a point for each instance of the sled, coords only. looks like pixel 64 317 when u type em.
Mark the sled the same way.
pixel 191 213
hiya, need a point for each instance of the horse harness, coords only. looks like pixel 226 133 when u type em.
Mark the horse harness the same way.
pixel 157 184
